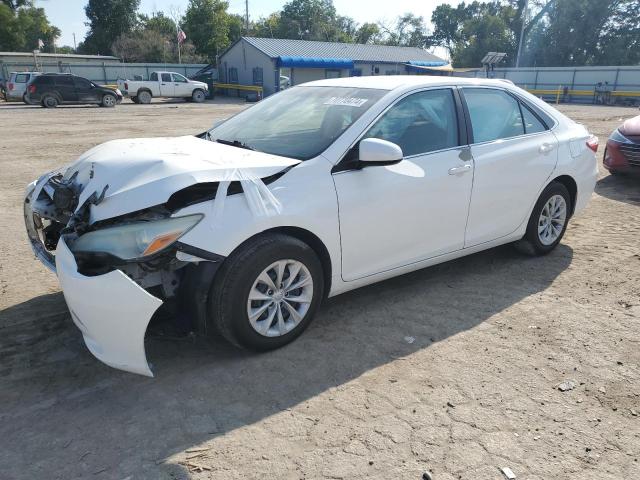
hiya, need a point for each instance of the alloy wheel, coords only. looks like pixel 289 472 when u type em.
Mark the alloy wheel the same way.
pixel 280 298
pixel 552 219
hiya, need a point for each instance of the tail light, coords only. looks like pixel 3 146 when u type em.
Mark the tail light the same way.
pixel 126 86
pixel 10 86
pixel 31 88
pixel 592 143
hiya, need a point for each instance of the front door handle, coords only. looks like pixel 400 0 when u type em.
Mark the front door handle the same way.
pixel 458 170
pixel 546 147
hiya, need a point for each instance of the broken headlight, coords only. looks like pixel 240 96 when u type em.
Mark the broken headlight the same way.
pixel 135 240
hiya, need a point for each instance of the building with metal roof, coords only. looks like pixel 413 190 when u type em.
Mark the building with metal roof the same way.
pixel 277 63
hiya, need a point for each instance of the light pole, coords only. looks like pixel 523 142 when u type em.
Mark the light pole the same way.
pixel 524 22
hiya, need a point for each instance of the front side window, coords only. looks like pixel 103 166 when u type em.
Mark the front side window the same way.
pixel 82 83
pixel 494 114
pixel 420 123
pixel 299 122
pixel 178 78
pixel 166 77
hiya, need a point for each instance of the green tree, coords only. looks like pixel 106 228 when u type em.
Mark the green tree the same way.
pixel 236 27
pixel 206 24
pixel 160 23
pixel 268 27
pixel 408 30
pixel 107 20
pixel 23 26
pixel 308 20
pixel 368 33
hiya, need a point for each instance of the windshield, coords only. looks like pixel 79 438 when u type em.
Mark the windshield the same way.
pixel 299 122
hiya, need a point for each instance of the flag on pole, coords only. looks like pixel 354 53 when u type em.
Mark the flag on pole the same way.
pixel 40 43
pixel 181 36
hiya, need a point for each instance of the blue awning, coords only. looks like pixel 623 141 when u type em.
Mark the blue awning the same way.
pixel 419 63
pixel 315 62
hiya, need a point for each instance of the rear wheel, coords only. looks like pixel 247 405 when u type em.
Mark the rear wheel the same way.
pixel 109 101
pixel 144 97
pixel 49 101
pixel 548 221
pixel 267 292
pixel 198 96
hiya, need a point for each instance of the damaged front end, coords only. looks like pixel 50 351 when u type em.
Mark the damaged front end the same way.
pixel 116 273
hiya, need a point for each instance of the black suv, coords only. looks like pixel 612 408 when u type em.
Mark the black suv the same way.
pixel 53 89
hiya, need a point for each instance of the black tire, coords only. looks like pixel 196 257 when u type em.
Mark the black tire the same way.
pixel 144 96
pixel 50 101
pixel 24 99
pixel 531 243
pixel 109 100
pixel 230 290
pixel 134 99
pixel 198 95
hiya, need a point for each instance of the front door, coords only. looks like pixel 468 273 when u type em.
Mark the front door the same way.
pixel 85 90
pixel 395 215
pixel 181 85
pixel 514 153
pixel 167 89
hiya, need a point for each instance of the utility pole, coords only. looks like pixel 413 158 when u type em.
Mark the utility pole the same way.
pixel 524 23
pixel 75 47
pixel 246 17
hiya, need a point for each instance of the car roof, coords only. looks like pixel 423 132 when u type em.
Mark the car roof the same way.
pixel 392 82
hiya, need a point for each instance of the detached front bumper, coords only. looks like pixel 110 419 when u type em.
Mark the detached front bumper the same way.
pixel 111 311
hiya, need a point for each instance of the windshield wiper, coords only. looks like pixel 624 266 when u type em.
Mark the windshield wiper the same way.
pixel 234 143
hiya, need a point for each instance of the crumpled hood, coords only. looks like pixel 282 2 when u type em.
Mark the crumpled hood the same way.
pixel 143 172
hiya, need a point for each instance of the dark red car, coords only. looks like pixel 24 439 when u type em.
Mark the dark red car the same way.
pixel 622 154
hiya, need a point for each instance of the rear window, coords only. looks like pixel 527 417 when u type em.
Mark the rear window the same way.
pixel 22 78
pixel 43 80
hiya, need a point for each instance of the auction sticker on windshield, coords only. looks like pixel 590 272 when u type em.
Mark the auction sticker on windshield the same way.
pixel 346 101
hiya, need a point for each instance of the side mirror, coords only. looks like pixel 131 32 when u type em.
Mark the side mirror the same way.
pixel 375 151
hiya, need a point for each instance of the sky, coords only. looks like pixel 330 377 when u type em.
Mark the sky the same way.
pixel 68 15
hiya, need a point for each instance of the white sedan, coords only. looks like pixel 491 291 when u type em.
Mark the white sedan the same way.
pixel 314 191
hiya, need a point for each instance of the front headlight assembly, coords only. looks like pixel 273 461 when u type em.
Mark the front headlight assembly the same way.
pixel 135 240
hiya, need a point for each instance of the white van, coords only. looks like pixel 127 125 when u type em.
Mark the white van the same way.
pixel 17 85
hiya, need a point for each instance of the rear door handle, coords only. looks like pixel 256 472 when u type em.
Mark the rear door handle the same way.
pixel 458 170
pixel 546 147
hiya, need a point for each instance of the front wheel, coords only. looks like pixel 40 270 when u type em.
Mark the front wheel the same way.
pixel 198 96
pixel 109 101
pixel 267 292
pixel 548 221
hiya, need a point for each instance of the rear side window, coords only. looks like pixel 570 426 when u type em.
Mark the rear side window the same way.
pixel 44 80
pixel 22 78
pixel 64 80
pixel 494 114
pixel 153 77
pixel 166 77
pixel 420 123
pixel 531 122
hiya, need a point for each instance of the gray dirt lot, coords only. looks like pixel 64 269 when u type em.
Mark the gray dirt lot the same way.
pixel 351 399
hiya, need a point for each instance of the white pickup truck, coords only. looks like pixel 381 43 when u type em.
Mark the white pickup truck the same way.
pixel 163 85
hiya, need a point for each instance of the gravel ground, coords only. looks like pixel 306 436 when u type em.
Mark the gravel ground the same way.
pixel 453 369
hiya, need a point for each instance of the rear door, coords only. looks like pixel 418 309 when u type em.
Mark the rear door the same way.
pixel 85 90
pixel 514 153
pixel 167 89
pixel 65 87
